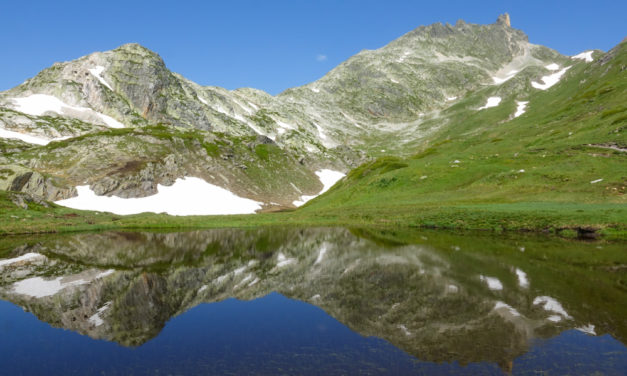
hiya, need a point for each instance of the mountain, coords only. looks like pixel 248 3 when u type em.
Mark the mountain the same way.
pixel 393 96
pixel 549 156
pixel 164 129
pixel 458 114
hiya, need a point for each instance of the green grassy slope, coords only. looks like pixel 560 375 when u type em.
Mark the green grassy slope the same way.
pixel 539 165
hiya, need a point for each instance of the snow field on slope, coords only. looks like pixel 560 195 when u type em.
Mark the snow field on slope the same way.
pixel 187 196
pixel 39 287
pixel 520 108
pixel 550 80
pixel 492 102
pixel 28 257
pixel 96 72
pixel 328 178
pixel 5 133
pixel 586 55
pixel 39 104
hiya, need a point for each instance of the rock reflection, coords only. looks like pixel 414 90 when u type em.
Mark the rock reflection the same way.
pixel 451 298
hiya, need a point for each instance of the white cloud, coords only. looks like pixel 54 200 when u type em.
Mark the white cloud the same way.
pixel 321 57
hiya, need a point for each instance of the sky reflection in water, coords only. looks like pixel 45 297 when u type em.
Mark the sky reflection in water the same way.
pixel 345 304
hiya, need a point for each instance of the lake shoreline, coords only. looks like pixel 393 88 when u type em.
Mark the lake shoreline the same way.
pixel 581 221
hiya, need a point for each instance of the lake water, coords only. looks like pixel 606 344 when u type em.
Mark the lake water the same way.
pixel 318 301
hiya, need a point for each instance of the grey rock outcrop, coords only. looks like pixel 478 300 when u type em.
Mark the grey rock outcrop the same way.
pixel 504 20
pixel 19 179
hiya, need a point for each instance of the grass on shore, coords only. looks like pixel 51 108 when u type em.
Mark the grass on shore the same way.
pixel 564 219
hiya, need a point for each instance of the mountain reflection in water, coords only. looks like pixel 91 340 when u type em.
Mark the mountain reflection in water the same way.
pixel 423 301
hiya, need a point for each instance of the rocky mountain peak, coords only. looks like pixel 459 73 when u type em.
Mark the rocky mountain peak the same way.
pixel 504 20
pixel 137 49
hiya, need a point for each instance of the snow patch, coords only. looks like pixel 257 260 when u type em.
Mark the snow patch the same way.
pixel 550 304
pixel 284 125
pixel 233 273
pixel 97 72
pixel 586 55
pixel 303 199
pixel 552 67
pixel 222 278
pixel 588 329
pixel 523 281
pixel 549 80
pixel 596 181
pixel 405 330
pixel 96 320
pixel 187 196
pixel 503 306
pixel 22 259
pixel 402 58
pixel 328 178
pixel 451 98
pixel 520 108
pixel 284 261
pixel 39 287
pixel 492 102
pixel 323 136
pixel 245 280
pixel 493 283
pixel 39 104
pixel 222 110
pixel 244 107
pixel 321 253
pixel 203 101
pixel 239 270
pixel 109 121
pixel 5 133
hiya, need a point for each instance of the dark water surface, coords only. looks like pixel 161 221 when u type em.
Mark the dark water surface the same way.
pixel 311 301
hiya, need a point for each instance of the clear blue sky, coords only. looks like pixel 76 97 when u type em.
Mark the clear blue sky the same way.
pixel 272 45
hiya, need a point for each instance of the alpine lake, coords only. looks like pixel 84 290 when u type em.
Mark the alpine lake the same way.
pixel 312 301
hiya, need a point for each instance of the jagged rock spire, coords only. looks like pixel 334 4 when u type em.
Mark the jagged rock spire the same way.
pixel 504 20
